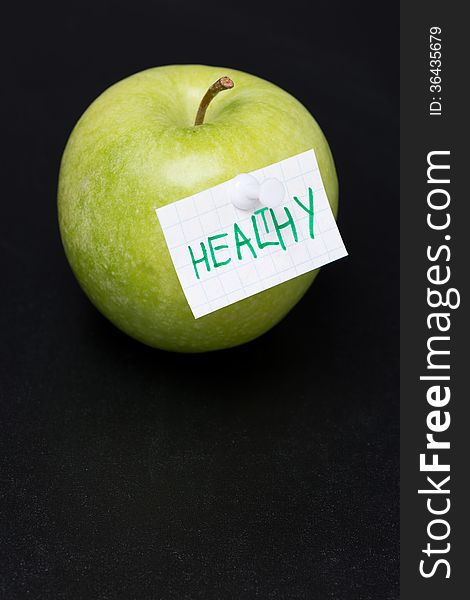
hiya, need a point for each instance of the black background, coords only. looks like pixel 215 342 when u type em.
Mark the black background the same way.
pixel 126 473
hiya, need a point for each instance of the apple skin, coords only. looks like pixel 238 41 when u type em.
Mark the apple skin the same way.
pixel 135 149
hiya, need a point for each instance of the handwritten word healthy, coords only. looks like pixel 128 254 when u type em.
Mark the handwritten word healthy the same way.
pixel 250 246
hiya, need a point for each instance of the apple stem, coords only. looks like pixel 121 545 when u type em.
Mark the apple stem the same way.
pixel 224 83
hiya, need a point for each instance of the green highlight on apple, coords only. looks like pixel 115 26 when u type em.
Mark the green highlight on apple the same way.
pixel 249 243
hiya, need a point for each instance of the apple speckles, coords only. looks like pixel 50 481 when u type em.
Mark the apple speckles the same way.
pixel 135 149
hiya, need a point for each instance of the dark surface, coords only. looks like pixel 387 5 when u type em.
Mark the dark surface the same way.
pixel 125 473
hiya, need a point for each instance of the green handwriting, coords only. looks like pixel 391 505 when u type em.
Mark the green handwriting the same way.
pixel 252 244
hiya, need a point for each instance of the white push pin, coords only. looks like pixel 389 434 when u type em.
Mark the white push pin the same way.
pixel 246 192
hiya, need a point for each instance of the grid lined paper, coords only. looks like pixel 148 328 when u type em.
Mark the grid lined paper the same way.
pixel 194 219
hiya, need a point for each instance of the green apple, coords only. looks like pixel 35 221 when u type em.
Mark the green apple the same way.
pixel 137 148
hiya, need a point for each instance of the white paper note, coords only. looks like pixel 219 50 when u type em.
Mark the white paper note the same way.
pixel 223 254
